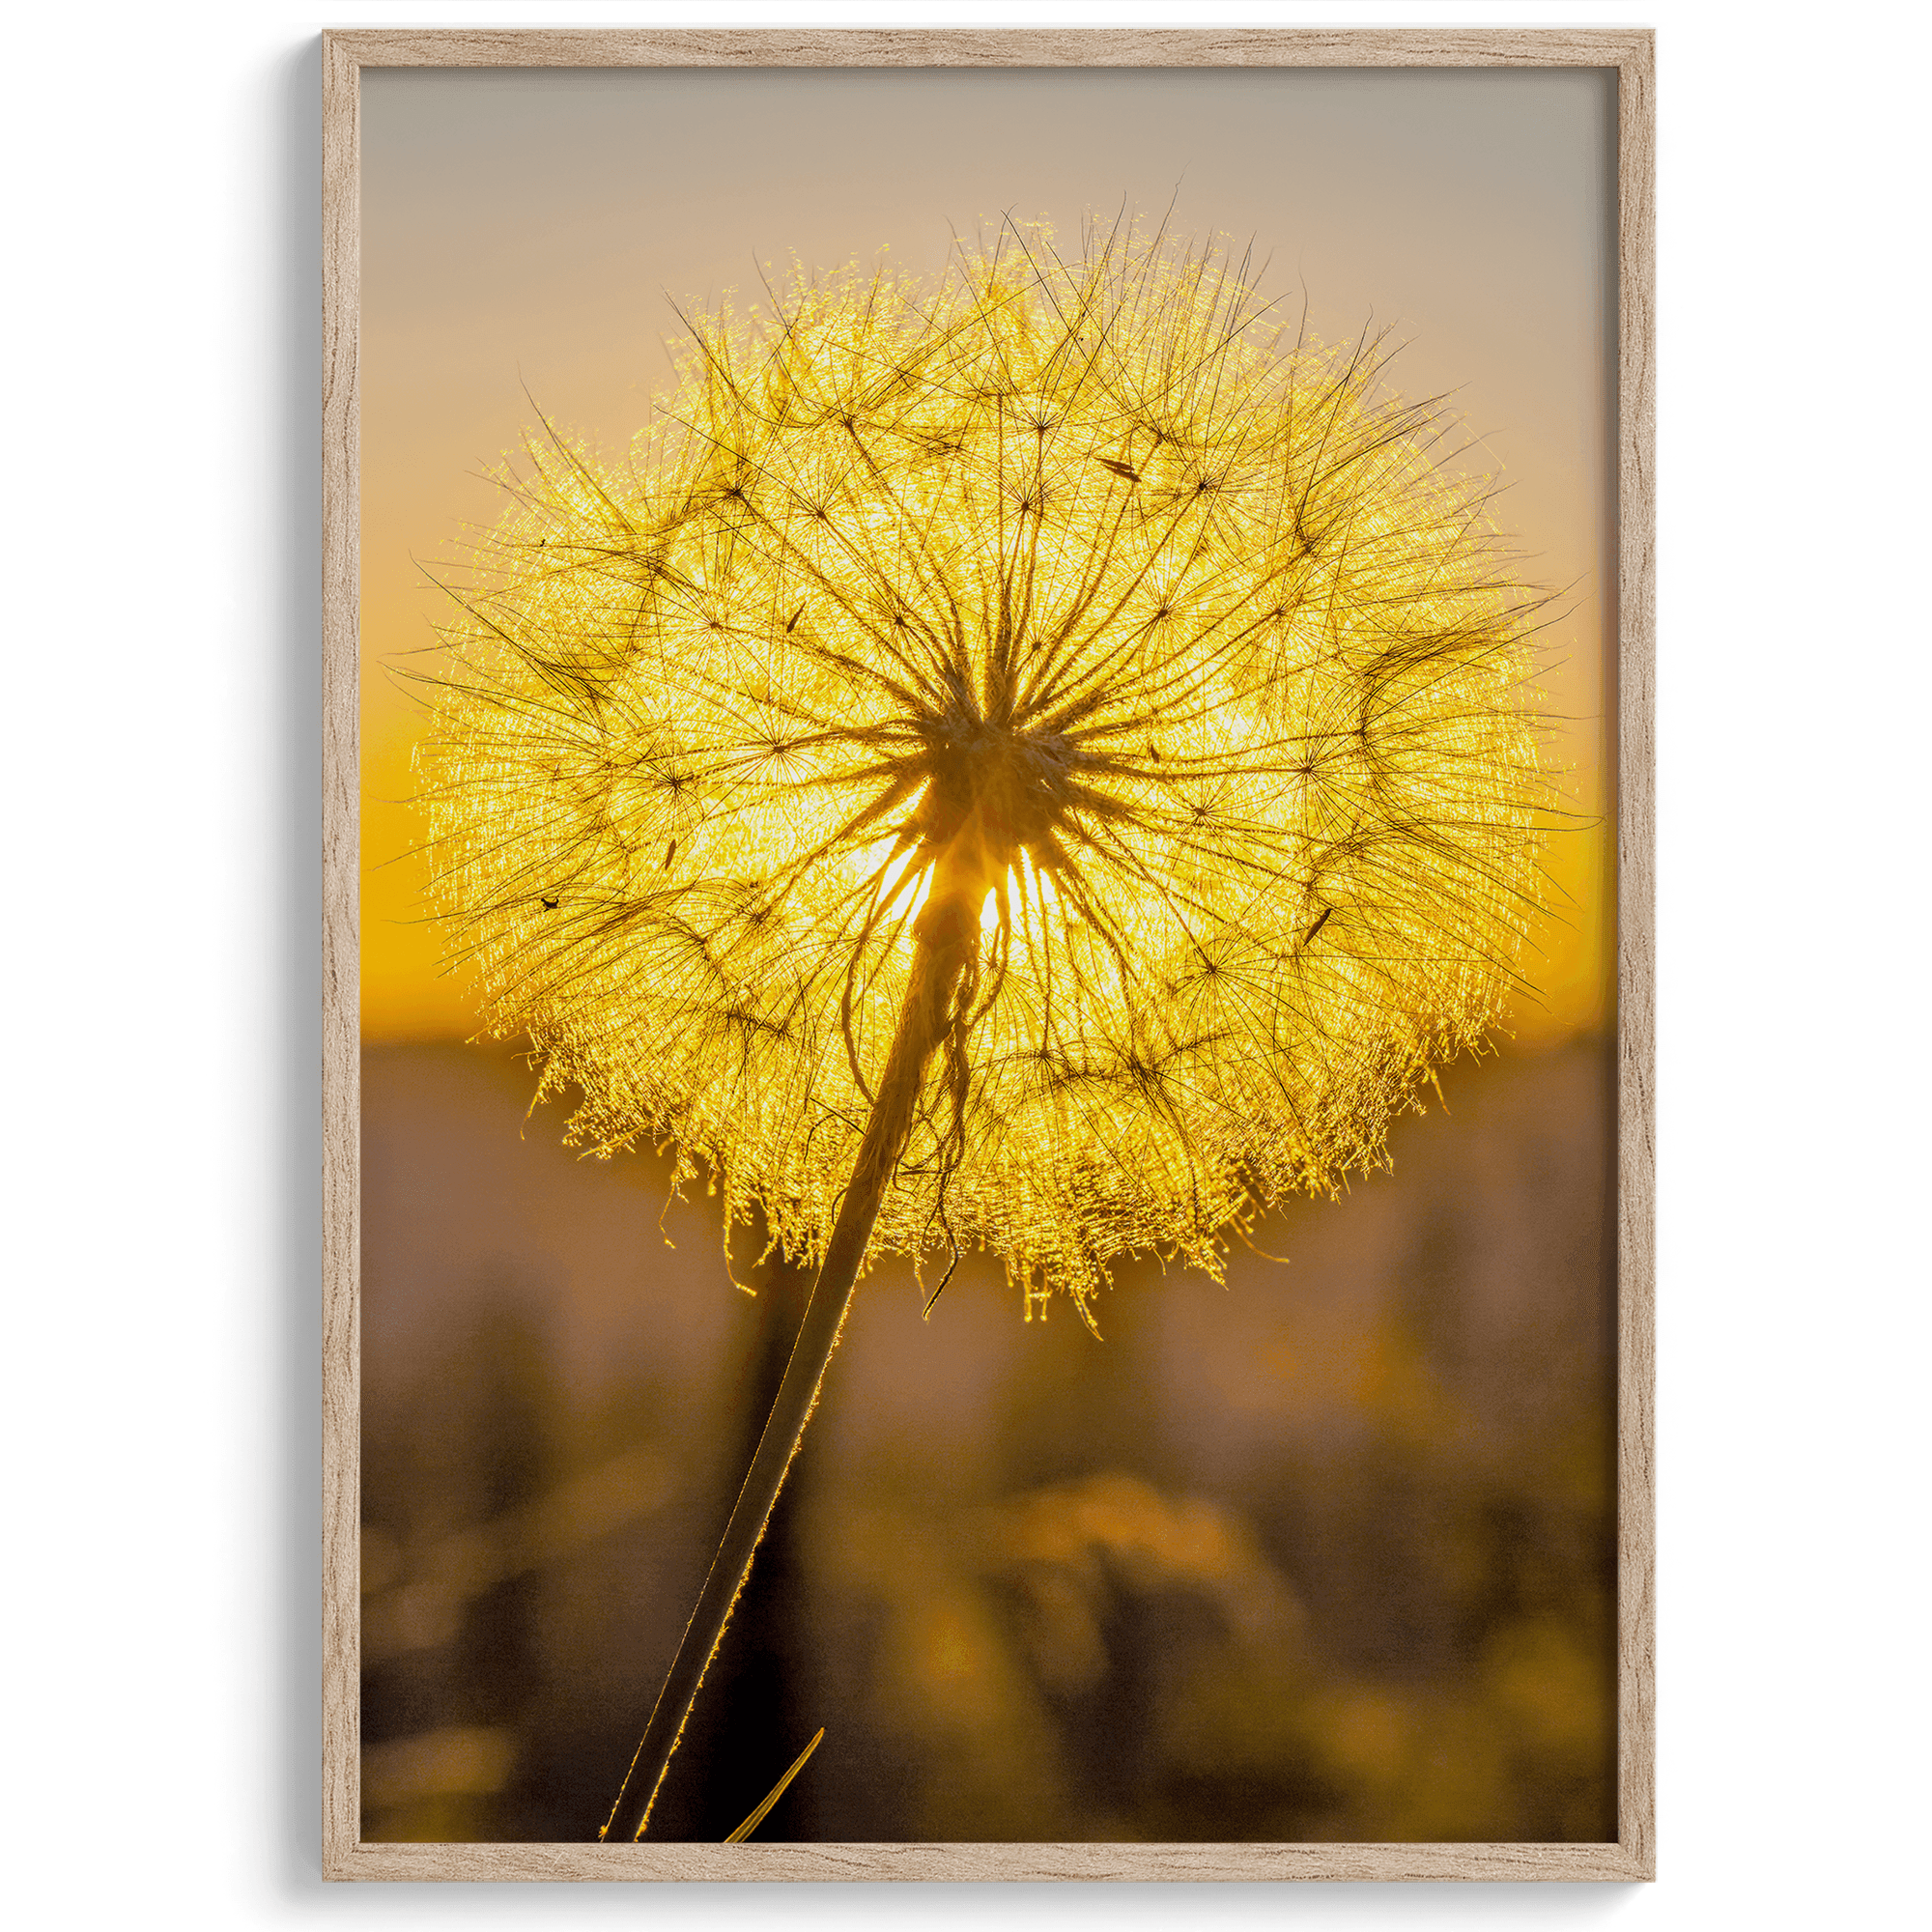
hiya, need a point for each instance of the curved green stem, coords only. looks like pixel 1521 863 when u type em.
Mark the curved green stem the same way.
pixel 938 961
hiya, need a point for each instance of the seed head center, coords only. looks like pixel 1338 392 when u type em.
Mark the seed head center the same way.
pixel 993 792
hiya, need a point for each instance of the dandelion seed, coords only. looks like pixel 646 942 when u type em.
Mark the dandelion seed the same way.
pixel 985 896
pixel 999 638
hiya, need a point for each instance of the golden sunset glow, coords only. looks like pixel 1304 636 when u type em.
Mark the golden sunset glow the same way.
pixel 1082 591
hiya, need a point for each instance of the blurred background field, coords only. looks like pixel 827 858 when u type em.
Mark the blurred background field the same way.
pixel 1327 1554
pixel 1324 1554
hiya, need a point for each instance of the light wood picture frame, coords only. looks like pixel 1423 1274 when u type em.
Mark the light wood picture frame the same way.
pixel 1628 55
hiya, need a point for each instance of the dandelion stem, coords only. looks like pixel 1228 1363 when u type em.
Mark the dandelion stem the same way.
pixel 946 930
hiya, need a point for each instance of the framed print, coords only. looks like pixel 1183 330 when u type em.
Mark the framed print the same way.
pixel 988 1038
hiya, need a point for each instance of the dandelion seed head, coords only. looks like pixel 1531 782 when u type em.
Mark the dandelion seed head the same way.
pixel 1164 639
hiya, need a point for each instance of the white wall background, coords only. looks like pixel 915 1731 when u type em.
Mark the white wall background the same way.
pixel 161 776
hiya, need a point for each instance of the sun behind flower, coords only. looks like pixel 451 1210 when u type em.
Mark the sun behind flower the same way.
pixel 1162 640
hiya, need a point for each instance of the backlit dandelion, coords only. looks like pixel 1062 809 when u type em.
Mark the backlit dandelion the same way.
pixel 1037 761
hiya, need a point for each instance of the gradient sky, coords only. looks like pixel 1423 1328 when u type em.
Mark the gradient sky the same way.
pixel 527 231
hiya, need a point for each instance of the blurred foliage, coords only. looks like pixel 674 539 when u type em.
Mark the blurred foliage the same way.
pixel 1328 1555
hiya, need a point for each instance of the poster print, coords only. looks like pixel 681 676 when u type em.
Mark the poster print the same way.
pixel 988 728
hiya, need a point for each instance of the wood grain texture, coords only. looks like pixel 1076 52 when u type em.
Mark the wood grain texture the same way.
pixel 341 1059
pixel 1637 898
pixel 1014 46
pixel 1631 52
pixel 1010 1864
